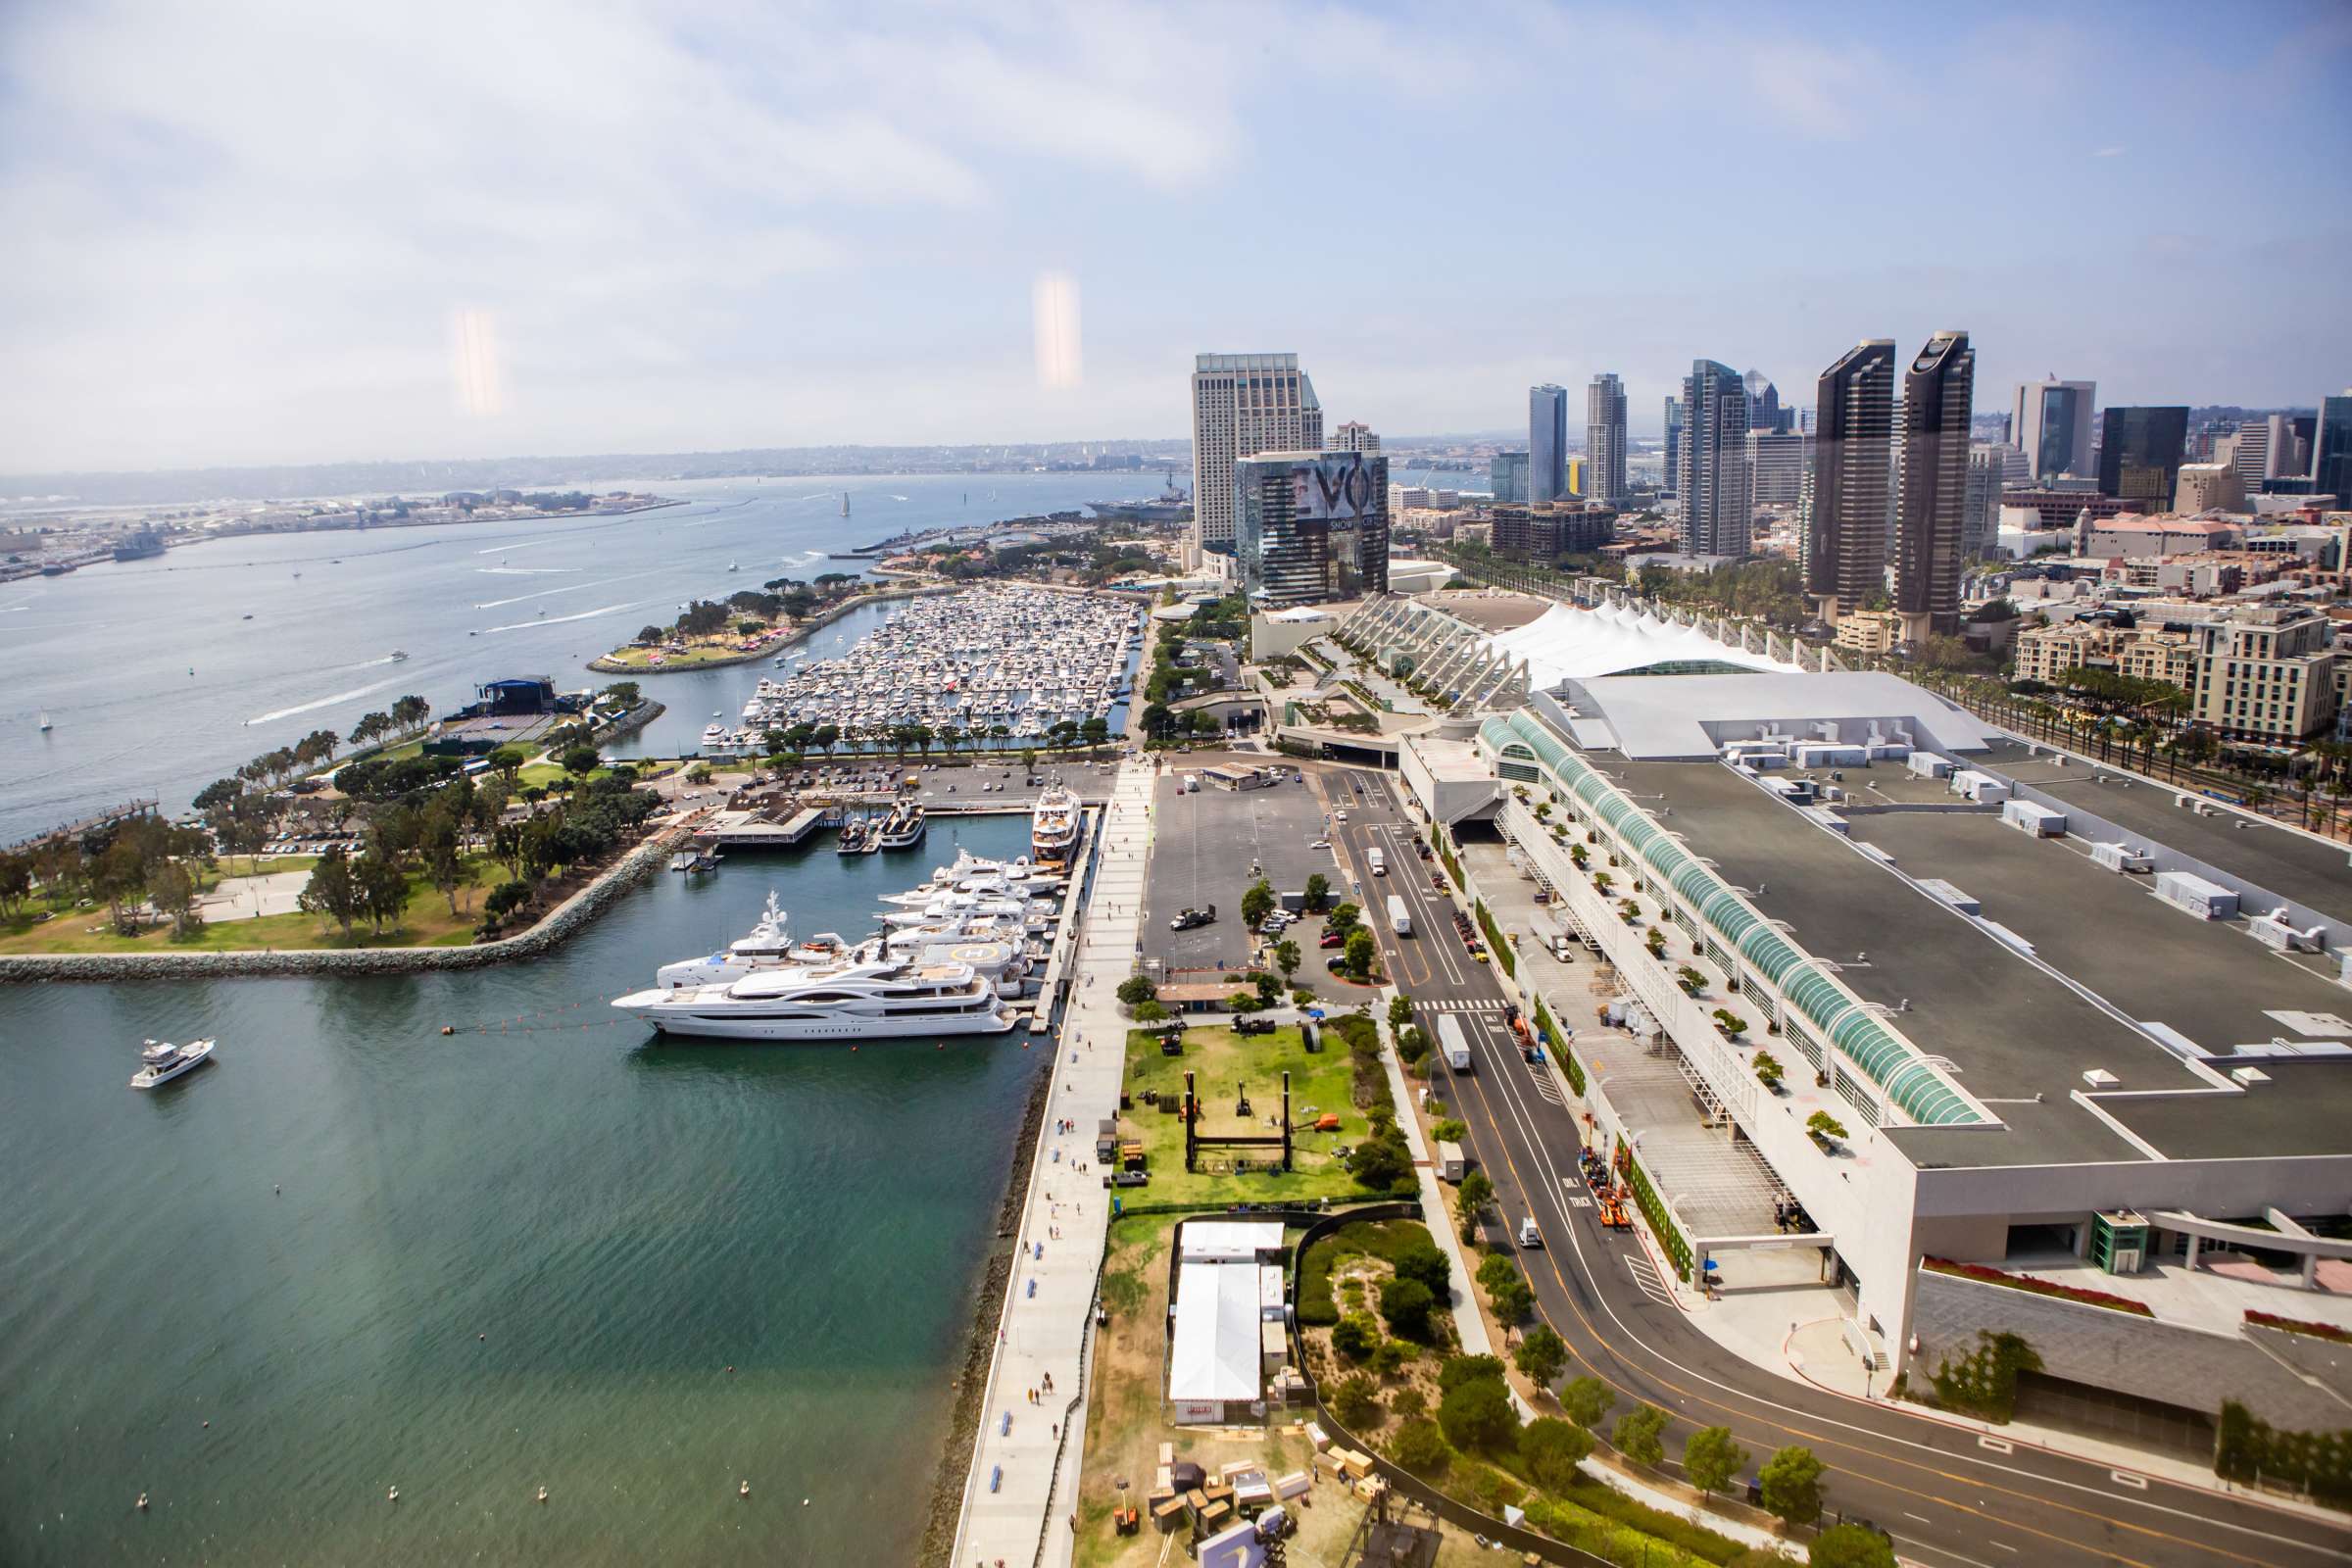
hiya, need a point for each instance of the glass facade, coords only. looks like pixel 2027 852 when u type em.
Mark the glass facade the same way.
pixel 1547 443
pixel 1311 526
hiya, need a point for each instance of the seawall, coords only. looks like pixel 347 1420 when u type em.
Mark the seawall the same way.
pixel 560 924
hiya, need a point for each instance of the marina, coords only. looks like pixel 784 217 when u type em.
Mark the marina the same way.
pixel 997 663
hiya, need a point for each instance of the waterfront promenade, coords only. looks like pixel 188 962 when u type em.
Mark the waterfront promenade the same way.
pixel 1023 1481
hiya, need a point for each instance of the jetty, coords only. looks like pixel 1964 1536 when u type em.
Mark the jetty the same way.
pixel 82 827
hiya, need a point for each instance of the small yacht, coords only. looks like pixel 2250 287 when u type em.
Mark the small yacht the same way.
pixel 399 656
pixel 161 1062
pixel 46 724
pixel 714 734
pixel 904 829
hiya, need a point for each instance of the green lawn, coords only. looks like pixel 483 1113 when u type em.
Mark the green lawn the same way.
pixel 1221 1061
pixel 426 923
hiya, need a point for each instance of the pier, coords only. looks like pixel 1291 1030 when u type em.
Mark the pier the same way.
pixel 129 810
pixel 742 830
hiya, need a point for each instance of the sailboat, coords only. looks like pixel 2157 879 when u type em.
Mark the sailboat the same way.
pixel 46 724
pixel 845 502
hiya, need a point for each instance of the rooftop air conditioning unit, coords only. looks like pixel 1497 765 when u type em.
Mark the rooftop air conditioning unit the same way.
pixel 2248 1077
pixel 2100 1078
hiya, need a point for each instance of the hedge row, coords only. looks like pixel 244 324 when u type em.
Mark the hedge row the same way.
pixel 1669 1235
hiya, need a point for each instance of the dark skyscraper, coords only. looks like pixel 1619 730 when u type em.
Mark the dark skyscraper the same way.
pixel 1930 517
pixel 1716 490
pixel 1547 443
pixel 1605 439
pixel 2139 453
pixel 1846 558
pixel 1671 431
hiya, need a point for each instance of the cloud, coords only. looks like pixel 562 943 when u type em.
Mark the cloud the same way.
pixel 2110 152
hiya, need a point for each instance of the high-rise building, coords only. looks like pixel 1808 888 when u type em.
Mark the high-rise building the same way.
pixel 1311 526
pixel 1717 492
pixel 2051 421
pixel 2139 453
pixel 1354 436
pixel 1673 437
pixel 1544 533
pixel 1981 511
pixel 1243 403
pixel 1937 400
pixel 2208 486
pixel 1763 404
pixel 1506 477
pixel 1575 478
pixel 1605 439
pixel 2250 452
pixel 1846 559
pixel 2331 450
pixel 1778 458
pixel 1547 443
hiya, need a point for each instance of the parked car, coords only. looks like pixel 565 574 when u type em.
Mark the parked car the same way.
pixel 1332 939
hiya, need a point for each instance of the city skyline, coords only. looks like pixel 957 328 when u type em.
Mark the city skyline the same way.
pixel 638 245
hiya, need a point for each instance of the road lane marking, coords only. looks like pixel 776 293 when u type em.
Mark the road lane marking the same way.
pixel 2124 1478
pixel 1997 1444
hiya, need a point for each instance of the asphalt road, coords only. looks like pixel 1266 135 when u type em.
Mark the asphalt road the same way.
pixel 1950 1497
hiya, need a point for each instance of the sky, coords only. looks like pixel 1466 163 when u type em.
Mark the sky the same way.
pixel 247 233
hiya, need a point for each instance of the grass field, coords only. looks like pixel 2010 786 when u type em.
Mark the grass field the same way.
pixel 426 923
pixel 1220 1061
pixel 697 655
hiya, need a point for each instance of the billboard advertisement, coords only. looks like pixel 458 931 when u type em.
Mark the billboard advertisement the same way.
pixel 1335 487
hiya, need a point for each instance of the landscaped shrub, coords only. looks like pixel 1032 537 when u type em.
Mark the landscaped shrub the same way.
pixel 1478 1414
pixel 1983 1381
pixel 1495 943
pixel 1421 1447
pixel 2296 1325
pixel 1661 1223
pixel 2250 1448
pixel 2025 1282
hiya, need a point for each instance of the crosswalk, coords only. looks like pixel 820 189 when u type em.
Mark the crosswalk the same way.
pixel 1646 1278
pixel 1548 1087
pixel 1496 1008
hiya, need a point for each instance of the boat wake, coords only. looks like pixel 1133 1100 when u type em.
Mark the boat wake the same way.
pixel 354 693
pixel 567 588
pixel 504 549
pixel 526 572
pixel 558 621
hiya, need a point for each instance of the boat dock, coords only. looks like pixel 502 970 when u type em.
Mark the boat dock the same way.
pixel 742 830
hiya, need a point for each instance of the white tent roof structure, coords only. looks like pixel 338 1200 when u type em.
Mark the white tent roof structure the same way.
pixel 1214 1353
pixel 1230 1240
pixel 1567 643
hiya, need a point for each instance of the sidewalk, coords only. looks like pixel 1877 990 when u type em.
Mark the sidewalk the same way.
pixel 1024 1474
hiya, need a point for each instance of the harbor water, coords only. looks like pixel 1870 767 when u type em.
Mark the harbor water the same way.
pixel 354 1254
pixel 157 683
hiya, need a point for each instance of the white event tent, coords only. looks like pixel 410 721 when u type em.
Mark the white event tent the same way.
pixel 1567 643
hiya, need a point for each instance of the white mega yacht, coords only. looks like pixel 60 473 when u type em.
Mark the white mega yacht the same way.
pixel 1053 825
pixel 856 999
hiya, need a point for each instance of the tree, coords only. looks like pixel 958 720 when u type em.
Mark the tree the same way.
pixel 628 693
pixel 1588 1402
pixel 1471 1198
pixel 1137 989
pixel 505 899
pixel 648 636
pixel 1355 1336
pixel 1151 1013
pixel 1342 920
pixel 1637 1435
pixel 1456 1370
pixel 173 891
pixel 1356 1401
pixel 1287 957
pixel 1360 953
pixel 1318 890
pixel 1551 1449
pixel 1405 1304
pixel 509 761
pixel 384 888
pixel 1850 1546
pixel 1824 1126
pixel 1478 1414
pixel 1382 1160
pixel 1269 989
pixel 1541 1355
pixel 332 890
pixel 443 863
pixel 1420 1261
pixel 1451 1130
pixel 1791 1484
pixel 581 761
pixel 1420 1446
pixel 1711 1458
pixel 1257 902
pixel 1400 1012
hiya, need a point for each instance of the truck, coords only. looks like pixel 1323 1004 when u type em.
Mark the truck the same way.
pixel 1451 1165
pixel 1450 1040
pixel 1380 862
pixel 1399 916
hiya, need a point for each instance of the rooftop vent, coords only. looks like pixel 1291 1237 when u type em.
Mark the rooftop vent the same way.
pixel 2249 1076
pixel 2101 1078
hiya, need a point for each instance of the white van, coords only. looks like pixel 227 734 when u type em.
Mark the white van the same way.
pixel 1528 1236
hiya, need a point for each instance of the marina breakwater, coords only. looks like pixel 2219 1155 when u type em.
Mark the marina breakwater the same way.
pixel 561 923
pixel 607 665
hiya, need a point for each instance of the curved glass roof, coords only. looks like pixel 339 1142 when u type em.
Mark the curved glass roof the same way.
pixel 1859 1035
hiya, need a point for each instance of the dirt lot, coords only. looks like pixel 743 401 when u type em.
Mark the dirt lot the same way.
pixel 1124 1427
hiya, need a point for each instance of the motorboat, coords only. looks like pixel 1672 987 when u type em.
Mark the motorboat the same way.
pixel 161 1062
pixel 1054 824
pixel 903 829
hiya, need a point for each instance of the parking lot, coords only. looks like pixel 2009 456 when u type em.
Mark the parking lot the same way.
pixel 1203 848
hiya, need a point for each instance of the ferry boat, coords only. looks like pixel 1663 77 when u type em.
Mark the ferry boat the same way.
pixel 1053 825
pixel 161 1062
pixel 858 999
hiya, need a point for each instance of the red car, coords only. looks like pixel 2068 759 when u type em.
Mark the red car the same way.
pixel 1332 939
